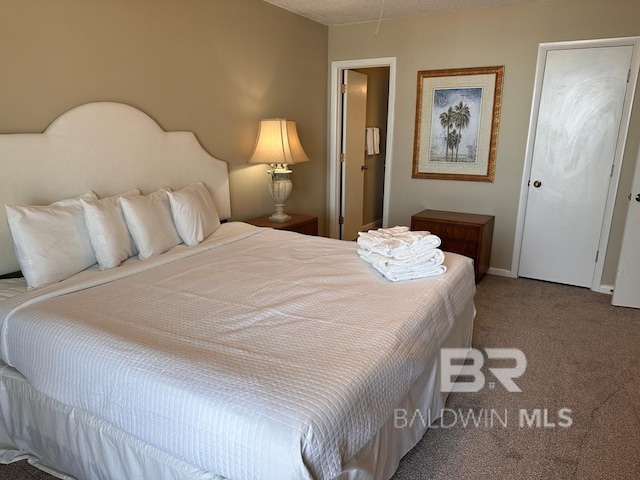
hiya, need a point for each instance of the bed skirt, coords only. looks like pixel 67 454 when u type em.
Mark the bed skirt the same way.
pixel 69 442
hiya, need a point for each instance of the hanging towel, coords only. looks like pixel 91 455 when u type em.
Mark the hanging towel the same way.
pixel 376 140
pixel 372 140
pixel 369 141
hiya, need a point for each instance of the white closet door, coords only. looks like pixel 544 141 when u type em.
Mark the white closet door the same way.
pixel 578 123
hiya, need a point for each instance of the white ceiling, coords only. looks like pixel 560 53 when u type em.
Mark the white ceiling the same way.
pixel 343 12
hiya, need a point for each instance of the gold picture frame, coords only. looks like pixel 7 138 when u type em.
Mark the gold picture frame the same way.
pixel 457 119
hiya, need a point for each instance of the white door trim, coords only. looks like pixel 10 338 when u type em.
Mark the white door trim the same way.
pixel 334 135
pixel 543 48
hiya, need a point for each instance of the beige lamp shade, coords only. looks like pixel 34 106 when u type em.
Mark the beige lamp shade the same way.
pixel 277 143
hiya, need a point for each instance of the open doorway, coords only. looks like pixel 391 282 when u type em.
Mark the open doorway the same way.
pixel 372 175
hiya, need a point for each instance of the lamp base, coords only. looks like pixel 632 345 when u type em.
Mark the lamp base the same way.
pixel 280 189
pixel 279 217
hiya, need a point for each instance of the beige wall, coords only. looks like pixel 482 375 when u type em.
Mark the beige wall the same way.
pixel 377 113
pixel 506 36
pixel 214 67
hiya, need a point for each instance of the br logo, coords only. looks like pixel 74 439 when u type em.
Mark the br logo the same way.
pixel 468 362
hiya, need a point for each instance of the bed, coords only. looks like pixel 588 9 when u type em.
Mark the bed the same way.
pixel 253 354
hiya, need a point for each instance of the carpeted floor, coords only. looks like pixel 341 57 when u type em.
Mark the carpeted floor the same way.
pixel 583 355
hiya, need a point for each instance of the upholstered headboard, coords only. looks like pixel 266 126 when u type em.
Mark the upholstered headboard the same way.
pixel 105 147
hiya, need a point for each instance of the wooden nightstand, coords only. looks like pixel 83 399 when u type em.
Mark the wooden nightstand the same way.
pixel 307 224
pixel 464 233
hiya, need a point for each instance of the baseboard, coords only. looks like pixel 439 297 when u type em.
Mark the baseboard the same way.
pixel 500 272
pixel 608 289
pixel 372 226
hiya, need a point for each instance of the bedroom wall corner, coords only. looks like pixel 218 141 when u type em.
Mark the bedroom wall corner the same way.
pixel 506 36
pixel 211 67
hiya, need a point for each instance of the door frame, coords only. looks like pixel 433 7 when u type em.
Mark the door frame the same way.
pixel 622 281
pixel 335 129
pixel 543 48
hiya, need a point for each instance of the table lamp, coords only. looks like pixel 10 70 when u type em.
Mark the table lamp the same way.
pixel 278 145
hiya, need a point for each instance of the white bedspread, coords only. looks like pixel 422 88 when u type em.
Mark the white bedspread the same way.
pixel 11 287
pixel 260 354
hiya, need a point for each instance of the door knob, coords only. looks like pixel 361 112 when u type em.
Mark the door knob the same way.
pixel 364 167
pixel 638 197
pixel 538 184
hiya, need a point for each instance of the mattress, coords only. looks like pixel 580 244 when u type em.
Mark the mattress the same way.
pixel 258 354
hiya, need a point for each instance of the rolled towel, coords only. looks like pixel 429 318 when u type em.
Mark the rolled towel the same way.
pixel 384 233
pixel 367 240
pixel 392 230
pixel 386 242
pixel 428 242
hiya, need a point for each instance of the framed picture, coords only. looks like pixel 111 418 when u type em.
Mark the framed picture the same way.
pixel 457 117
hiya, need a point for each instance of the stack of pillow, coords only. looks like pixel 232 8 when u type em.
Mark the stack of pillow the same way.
pixel 56 241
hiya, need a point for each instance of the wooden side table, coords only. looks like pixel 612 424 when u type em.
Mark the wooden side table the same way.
pixel 307 224
pixel 464 233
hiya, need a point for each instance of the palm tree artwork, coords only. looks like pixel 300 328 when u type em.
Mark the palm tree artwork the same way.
pixel 461 115
pixel 446 120
pixel 457 111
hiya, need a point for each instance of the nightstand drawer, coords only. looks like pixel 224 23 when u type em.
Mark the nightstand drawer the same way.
pixel 306 224
pixel 307 228
pixel 465 233
pixel 448 230
pixel 468 249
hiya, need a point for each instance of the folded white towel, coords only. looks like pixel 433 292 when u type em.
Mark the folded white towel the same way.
pixel 400 254
pixel 391 230
pixel 406 251
pixel 412 272
pixel 388 231
pixel 411 253
pixel 394 233
pixel 392 244
pixel 425 258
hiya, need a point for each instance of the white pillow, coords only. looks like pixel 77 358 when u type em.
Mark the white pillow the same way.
pixel 194 213
pixel 150 223
pixel 108 230
pixel 74 200
pixel 51 242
